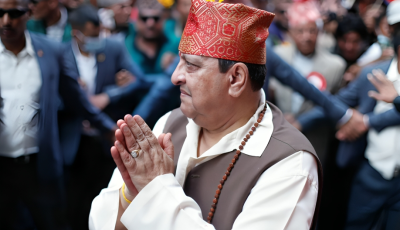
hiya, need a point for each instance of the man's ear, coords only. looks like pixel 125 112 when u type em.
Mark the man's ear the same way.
pixel 238 79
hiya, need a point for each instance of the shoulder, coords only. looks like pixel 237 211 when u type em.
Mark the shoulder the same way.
pixel 113 43
pixel 301 163
pixel 286 137
pixel 383 65
pixel 334 60
pixel 46 43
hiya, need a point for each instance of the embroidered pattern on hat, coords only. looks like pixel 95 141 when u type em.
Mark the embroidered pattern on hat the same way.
pixel 227 31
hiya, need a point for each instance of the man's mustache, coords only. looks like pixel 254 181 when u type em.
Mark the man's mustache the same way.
pixel 6 28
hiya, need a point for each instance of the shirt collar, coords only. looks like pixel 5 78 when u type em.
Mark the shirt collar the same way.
pixel 28 45
pixel 77 52
pixel 254 147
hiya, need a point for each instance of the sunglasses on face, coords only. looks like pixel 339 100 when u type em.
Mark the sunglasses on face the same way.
pixel 145 18
pixel 35 2
pixel 13 13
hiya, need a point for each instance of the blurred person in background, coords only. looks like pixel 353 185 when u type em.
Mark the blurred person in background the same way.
pixel 279 27
pixel 382 49
pixel 50 18
pixel 104 66
pixel 176 25
pixel 37 78
pixel 326 37
pixel 115 16
pixel 146 41
pixel 103 63
pixel 352 42
pixel 71 4
pixel 378 179
pixel 372 134
pixel 321 68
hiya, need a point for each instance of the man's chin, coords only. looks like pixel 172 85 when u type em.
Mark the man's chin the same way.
pixel 187 110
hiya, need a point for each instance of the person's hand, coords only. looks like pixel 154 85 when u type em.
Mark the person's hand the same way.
pixel 386 91
pixel 351 73
pixel 123 78
pixel 353 129
pixel 156 155
pixel 100 101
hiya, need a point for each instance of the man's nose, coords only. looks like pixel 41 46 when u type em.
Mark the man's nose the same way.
pixel 178 77
pixel 150 22
pixel 6 20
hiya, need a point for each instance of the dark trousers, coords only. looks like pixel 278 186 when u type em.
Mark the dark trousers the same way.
pixel 370 196
pixel 25 201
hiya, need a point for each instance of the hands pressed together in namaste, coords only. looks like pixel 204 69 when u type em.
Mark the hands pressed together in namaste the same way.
pixel 155 154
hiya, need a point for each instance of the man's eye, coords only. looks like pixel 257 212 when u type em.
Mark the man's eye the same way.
pixel 189 64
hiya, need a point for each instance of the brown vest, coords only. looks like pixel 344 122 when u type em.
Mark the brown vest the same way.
pixel 202 181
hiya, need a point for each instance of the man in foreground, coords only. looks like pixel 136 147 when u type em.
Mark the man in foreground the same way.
pixel 238 164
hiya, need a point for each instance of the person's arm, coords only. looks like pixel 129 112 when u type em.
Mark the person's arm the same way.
pixel 108 207
pixel 290 77
pixel 284 198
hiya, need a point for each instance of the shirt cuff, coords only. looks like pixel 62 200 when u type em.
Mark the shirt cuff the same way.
pixel 346 117
pixel 366 120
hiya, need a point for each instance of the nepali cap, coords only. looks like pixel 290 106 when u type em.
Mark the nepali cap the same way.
pixel 227 31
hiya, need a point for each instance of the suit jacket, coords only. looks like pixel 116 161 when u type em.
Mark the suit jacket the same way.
pixel 330 66
pixel 59 88
pixel 356 95
pixel 110 60
pixel 285 74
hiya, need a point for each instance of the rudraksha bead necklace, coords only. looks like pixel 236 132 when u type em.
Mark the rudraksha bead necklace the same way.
pixel 234 160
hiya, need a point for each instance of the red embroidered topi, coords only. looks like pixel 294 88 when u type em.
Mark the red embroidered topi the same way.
pixel 227 31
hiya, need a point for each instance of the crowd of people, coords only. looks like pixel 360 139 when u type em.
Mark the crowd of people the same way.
pixel 70 69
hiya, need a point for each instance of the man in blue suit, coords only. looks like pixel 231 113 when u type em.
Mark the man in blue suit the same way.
pixel 104 65
pixel 37 77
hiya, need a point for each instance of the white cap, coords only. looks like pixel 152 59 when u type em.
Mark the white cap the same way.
pixel 393 12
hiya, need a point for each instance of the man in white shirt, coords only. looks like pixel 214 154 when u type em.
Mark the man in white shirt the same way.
pixel 376 187
pixel 225 130
pixel 36 75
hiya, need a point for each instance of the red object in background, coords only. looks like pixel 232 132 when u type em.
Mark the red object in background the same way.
pixel 318 80
pixel 134 14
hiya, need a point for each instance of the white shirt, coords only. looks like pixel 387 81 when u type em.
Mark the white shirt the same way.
pixel 56 31
pixel 283 198
pixel 87 67
pixel 383 150
pixel 373 53
pixel 20 83
pixel 303 64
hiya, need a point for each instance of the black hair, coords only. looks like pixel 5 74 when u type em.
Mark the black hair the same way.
pixel 257 72
pixel 83 14
pixel 352 23
pixel 396 38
